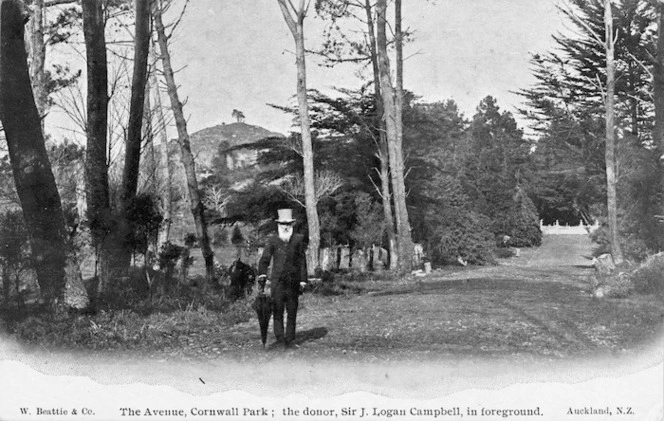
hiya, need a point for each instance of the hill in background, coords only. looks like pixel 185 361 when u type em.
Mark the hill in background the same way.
pixel 205 143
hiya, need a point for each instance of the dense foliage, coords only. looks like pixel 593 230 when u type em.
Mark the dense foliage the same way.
pixel 468 181
pixel 565 107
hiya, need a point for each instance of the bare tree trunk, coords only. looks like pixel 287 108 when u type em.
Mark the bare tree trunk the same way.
pixel 384 172
pixel 137 102
pixel 296 26
pixel 148 166
pixel 164 177
pixel 398 94
pixel 37 56
pixel 197 207
pixel 35 183
pixel 404 228
pixel 120 247
pixel 96 165
pixel 75 294
pixel 386 197
pixel 611 135
pixel 394 146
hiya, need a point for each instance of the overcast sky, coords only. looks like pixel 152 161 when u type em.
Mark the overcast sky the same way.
pixel 239 55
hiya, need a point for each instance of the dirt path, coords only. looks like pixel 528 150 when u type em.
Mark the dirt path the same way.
pixel 419 336
pixel 537 305
pixel 561 251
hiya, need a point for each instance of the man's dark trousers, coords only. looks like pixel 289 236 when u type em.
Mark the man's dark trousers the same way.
pixel 285 297
pixel 289 268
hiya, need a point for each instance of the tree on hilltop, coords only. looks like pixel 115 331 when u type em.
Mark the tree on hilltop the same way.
pixel 238 115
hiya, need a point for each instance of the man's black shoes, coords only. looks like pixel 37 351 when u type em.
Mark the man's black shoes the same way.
pixel 292 346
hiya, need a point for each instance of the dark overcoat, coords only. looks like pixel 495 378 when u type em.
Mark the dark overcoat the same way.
pixel 287 260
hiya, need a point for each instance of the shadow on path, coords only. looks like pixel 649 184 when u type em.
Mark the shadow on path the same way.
pixel 310 335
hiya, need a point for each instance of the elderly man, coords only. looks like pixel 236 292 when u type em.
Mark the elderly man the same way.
pixel 285 253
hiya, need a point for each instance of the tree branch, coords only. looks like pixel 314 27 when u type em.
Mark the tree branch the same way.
pixel 287 15
pixel 577 19
pixel 378 190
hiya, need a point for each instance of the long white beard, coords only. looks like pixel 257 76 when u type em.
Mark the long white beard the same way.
pixel 285 233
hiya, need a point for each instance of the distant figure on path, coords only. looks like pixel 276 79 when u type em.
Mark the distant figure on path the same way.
pixel 286 252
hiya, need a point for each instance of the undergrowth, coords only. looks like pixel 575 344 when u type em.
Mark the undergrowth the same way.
pixel 649 277
pixel 139 318
pixel 349 282
pixel 150 322
pixel 624 280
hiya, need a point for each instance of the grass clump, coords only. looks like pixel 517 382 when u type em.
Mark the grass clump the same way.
pixel 648 278
pixel 504 252
pixel 616 286
pixel 350 282
pixel 130 320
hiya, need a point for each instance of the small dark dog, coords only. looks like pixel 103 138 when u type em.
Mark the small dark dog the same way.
pixel 242 279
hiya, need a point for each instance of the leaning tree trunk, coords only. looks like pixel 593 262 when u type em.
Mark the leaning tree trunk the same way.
pixel 163 168
pixel 147 182
pixel 394 146
pixel 384 171
pixel 136 103
pixel 119 239
pixel 611 197
pixel 35 183
pixel 75 293
pixel 197 207
pixel 296 26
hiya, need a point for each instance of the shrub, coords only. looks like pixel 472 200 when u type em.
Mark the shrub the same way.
pixel 524 227
pixel 219 236
pixel 634 248
pixel 190 240
pixel 168 256
pixel 616 286
pixel 237 238
pixel 649 277
pixel 504 252
pixel 447 222
pixel 466 235
pixel 369 227
pixel 122 293
pixel 144 219
pixel 601 237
